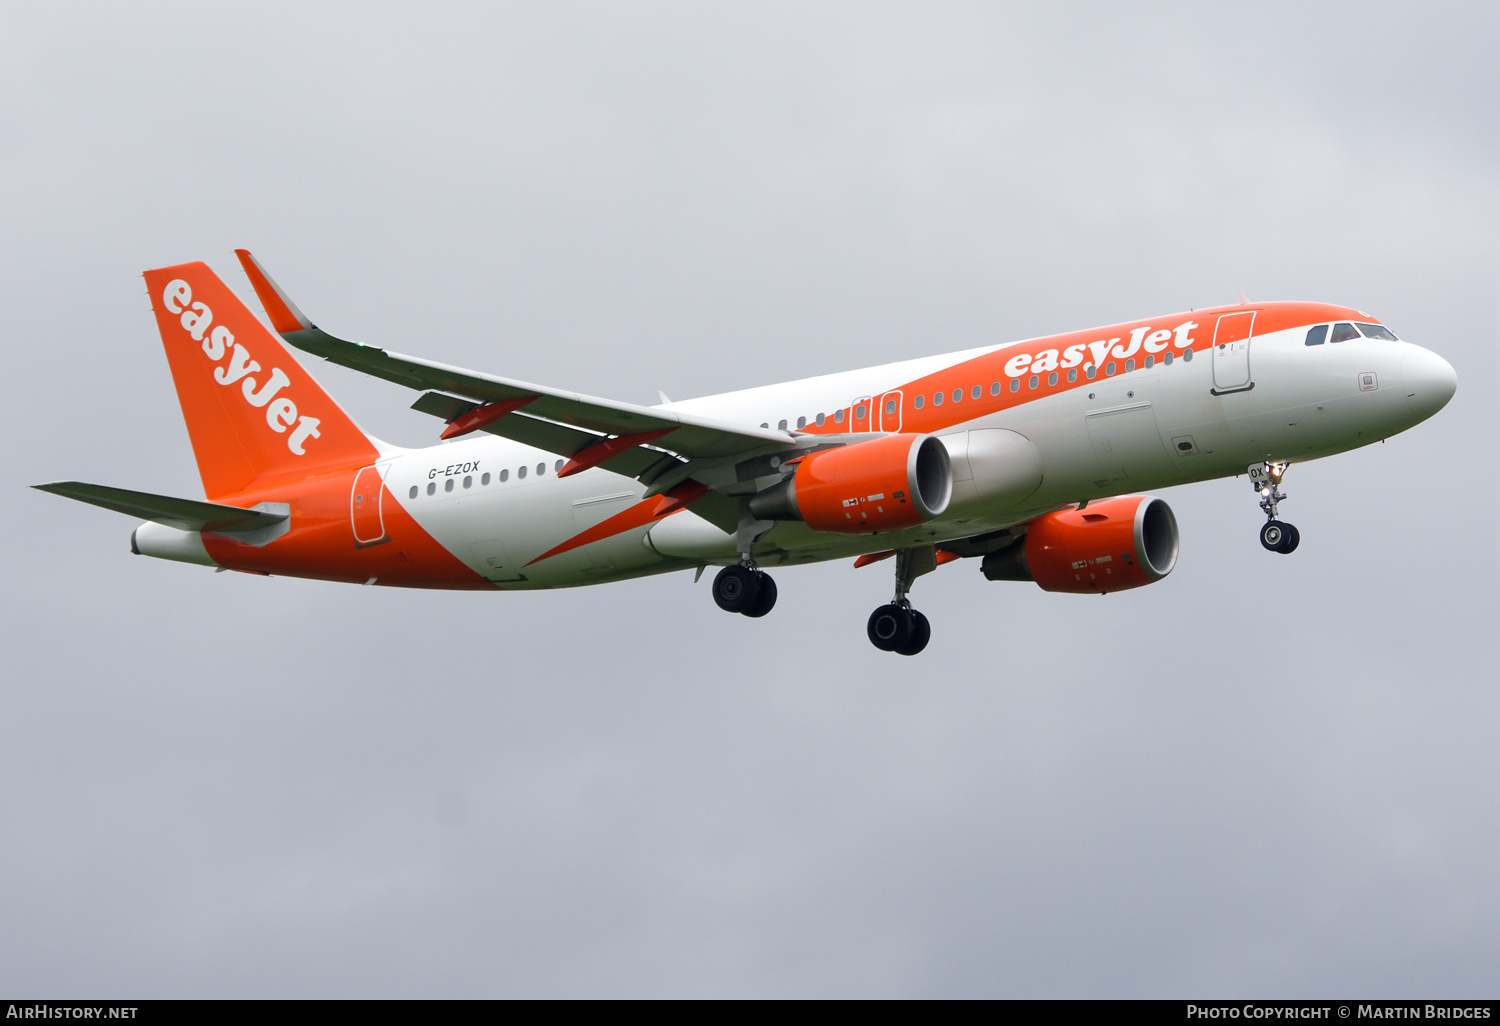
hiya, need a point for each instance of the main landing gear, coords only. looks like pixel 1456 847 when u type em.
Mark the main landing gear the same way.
pixel 896 626
pixel 1274 535
pixel 745 590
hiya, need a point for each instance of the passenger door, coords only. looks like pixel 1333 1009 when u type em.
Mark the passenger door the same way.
pixel 364 507
pixel 1232 352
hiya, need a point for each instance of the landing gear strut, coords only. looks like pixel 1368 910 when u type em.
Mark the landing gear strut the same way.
pixel 1274 535
pixel 896 626
pixel 744 589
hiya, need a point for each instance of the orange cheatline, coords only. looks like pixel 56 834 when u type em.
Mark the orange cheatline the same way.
pixel 639 515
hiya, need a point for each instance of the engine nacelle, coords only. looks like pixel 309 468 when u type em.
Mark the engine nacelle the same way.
pixel 1110 545
pixel 884 484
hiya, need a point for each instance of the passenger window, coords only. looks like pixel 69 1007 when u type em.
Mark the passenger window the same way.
pixel 1052 378
pixel 1377 331
pixel 995 388
pixel 1150 362
pixel 977 392
pixel 859 414
pixel 521 473
pixel 838 417
pixel 1130 365
pixel 1073 374
pixel 1015 384
pixel 890 407
pixel 1317 335
pixel 448 485
pixel 1187 354
pixel 1167 359
pixel 431 488
pixel 819 420
pixel 1343 333
pixel 1109 369
pixel 541 468
pixel 958 394
pixel 558 465
pixel 504 476
pixel 413 491
pixel 919 402
pixel 485 478
pixel 801 423
pixel 468 480
pixel 937 398
pixel 1089 371
pixel 781 424
pixel 1034 381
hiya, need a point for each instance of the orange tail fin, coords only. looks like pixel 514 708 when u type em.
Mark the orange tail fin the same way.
pixel 253 414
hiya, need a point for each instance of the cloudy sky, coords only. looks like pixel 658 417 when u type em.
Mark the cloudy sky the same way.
pixel 1265 775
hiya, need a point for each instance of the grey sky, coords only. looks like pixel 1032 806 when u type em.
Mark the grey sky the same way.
pixel 1263 776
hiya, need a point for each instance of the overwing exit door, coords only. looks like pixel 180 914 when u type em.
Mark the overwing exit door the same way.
pixel 859 415
pixel 364 507
pixel 889 406
pixel 1232 352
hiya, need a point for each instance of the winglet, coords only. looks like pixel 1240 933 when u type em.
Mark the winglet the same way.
pixel 283 312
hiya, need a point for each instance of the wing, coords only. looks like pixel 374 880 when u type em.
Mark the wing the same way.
pixel 558 421
pixel 183 514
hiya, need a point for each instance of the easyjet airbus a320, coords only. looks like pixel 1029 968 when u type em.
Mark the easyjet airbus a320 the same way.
pixel 1014 455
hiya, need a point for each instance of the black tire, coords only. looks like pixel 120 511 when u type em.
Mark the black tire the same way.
pixel 766 600
pixel 736 589
pixel 1290 537
pixel 921 633
pixel 1272 534
pixel 889 627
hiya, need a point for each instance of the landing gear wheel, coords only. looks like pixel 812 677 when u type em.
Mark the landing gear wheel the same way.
pixel 921 633
pixel 736 588
pixel 1273 535
pixel 766 599
pixel 1290 536
pixel 890 627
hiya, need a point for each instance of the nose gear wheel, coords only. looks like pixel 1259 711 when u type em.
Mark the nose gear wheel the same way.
pixel 1275 535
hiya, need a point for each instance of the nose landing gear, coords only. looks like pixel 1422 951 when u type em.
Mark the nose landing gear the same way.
pixel 896 626
pixel 1275 536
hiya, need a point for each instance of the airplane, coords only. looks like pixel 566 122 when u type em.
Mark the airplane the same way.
pixel 1032 458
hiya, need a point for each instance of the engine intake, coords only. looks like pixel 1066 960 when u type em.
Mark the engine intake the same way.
pixel 1112 545
pixel 884 484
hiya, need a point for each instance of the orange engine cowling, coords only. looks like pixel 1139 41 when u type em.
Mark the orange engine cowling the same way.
pixel 1111 545
pixel 884 484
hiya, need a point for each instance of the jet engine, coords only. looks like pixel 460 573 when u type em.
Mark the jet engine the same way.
pixel 884 484
pixel 1110 545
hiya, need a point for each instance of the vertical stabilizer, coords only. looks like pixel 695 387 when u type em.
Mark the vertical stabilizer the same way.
pixel 253 414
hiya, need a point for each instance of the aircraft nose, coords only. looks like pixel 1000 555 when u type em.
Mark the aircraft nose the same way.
pixel 1430 381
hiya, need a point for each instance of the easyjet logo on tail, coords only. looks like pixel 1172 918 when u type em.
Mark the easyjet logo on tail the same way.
pixel 281 412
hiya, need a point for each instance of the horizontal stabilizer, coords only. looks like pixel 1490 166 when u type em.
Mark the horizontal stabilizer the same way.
pixel 183 514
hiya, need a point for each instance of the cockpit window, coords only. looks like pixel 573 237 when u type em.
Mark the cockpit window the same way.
pixel 1317 334
pixel 1343 333
pixel 1377 331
